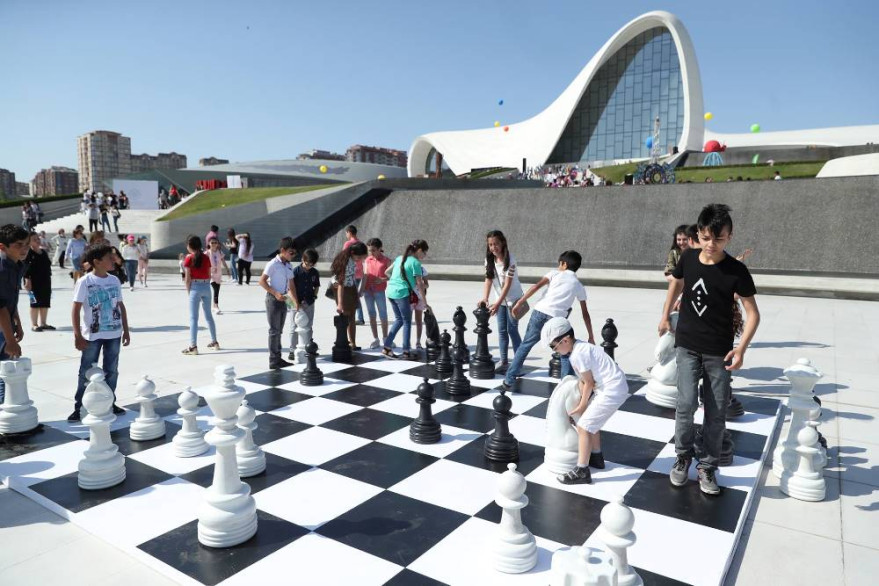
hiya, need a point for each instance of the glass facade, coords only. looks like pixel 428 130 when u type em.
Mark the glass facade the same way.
pixel 616 113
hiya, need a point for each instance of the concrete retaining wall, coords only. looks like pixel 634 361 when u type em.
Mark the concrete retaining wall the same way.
pixel 51 210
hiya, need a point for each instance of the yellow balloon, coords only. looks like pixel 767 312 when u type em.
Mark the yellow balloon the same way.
pixel 496 123
pixel 708 115
pixel 323 168
pixel 381 177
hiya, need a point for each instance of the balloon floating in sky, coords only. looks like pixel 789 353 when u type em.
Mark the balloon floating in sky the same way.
pixel 323 168
pixel 755 128
pixel 496 123
pixel 708 115
pixel 500 102
pixel 381 177
pixel 755 159
pixel 649 142
pixel 506 128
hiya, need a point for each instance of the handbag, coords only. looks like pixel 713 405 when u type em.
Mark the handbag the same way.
pixel 413 296
pixel 523 307
pixel 330 292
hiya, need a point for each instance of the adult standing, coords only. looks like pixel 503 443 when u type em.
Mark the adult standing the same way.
pixel 245 256
pixel 75 250
pixel 197 278
pixel 105 216
pixel 351 238
pixel 115 214
pixel 38 283
pixel 143 259
pixel 404 280
pixel 232 247
pixel 130 256
pixel 59 241
pixel 94 214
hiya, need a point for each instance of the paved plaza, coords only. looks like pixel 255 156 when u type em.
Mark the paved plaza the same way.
pixel 831 542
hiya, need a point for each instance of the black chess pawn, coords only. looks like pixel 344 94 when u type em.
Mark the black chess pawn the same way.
pixel 482 365
pixel 425 429
pixel 458 383
pixel 311 376
pixel 460 318
pixel 502 446
pixel 444 360
pixel 555 365
pixel 609 336
pixel 341 349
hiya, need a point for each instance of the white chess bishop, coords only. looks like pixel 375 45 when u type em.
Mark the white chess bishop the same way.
pixel 515 549
pixel 189 441
pixel 662 388
pixel 148 425
pixel 102 466
pixel 17 413
pixel 560 455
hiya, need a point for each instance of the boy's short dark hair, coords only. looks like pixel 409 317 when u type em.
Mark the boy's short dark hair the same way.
pixel 10 233
pixel 215 228
pixel 352 229
pixel 571 258
pixel 693 233
pixel 715 217
pixel 375 242
pixel 287 243
pixel 95 252
pixel 310 256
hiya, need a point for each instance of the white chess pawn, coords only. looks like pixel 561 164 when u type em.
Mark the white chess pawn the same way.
pixel 560 455
pixel 615 531
pixel 102 466
pixel 17 413
pixel 803 377
pixel 303 333
pixel 93 369
pixel 515 549
pixel 251 458
pixel 189 441
pixel 148 425
pixel 805 483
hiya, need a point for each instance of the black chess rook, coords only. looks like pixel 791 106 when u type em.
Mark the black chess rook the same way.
pixel 502 446
pixel 341 348
pixel 482 365
pixel 425 429
pixel 311 376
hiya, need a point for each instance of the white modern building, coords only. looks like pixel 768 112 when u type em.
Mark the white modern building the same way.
pixel 648 69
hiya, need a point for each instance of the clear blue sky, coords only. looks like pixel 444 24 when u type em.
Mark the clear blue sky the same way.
pixel 260 79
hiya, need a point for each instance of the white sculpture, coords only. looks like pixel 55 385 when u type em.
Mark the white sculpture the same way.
pixel 560 455
pixel 662 388
pixel 17 413
pixel 148 425
pixel 227 515
pixel 303 334
pixel 189 441
pixel 251 458
pixel 102 466
pixel 805 483
pixel 803 377
pixel 615 531
pixel 515 550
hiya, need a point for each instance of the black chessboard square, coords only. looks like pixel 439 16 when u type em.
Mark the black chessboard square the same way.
pixel 65 491
pixel 629 450
pixel 379 464
pixel 759 405
pixel 394 527
pixel 409 578
pixel 165 405
pixel 271 428
pixel 639 404
pixel 653 492
pixel 440 392
pixel 368 423
pixel 426 371
pixel 358 375
pixel 473 454
pixel 277 470
pixel 538 411
pixel 358 358
pixel 274 398
pixel 467 417
pixel 555 514
pixel 273 378
pixel 745 444
pixel 45 436
pixel 362 395
pixel 128 446
pixel 635 383
pixel 180 549
pixel 529 386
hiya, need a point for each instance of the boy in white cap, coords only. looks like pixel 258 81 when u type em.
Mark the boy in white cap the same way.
pixel 603 388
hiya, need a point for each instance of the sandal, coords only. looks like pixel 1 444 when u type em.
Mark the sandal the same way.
pixel 407 355
pixel 388 353
pixel 48 327
pixel 36 329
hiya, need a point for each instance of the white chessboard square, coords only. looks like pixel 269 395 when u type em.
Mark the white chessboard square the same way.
pixel 453 438
pixel 754 423
pixel 451 485
pixel 248 386
pixel 41 465
pixel 653 428
pixel 403 383
pixel 140 516
pixel 521 403
pixel 390 365
pixel 743 474
pixel 486 383
pixel 404 404
pixel 314 497
pixel 607 484
pixel 163 458
pixel 316 559
pixel 528 429
pixel 541 374
pixel 330 385
pixel 316 445
pixel 316 411
pixel 465 557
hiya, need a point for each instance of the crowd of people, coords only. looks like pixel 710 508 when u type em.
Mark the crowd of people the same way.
pixel 100 208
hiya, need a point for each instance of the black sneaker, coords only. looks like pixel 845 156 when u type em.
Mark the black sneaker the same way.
pixel 117 410
pixel 596 460
pixel 291 356
pixel 280 364
pixel 707 482
pixel 678 474
pixel 359 322
pixel 501 368
pixel 75 416
pixel 576 476
pixel 505 387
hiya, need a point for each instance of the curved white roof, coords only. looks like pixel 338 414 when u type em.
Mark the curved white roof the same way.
pixel 534 139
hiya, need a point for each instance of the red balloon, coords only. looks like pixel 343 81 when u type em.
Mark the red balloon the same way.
pixel 712 146
pixel 506 128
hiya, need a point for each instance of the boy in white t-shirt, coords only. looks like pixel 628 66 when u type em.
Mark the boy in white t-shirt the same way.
pixel 603 388
pixel 103 326
pixel 563 289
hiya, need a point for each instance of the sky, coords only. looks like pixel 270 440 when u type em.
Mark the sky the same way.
pixel 269 79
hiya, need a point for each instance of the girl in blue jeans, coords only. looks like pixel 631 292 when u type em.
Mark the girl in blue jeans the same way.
pixel 197 279
pixel 404 279
pixel 502 281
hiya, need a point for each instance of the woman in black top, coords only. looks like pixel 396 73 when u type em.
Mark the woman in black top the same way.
pixel 38 283
pixel 232 247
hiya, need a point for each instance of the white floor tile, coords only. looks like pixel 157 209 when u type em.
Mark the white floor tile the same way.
pixel 316 411
pixel 453 438
pixel 391 365
pixel 315 446
pixel 451 485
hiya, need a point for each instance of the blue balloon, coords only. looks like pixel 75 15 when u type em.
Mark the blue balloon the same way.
pixel 649 142
pixel 500 102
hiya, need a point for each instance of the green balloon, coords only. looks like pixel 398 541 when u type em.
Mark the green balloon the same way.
pixel 755 159
pixel 755 128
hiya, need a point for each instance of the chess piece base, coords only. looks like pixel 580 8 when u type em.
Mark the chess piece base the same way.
pixel 559 461
pixel 811 488
pixel 575 567
pixel 227 520
pixel 661 395
pixel 251 463
pixel 515 554
pixel 101 473
pixel 311 379
pixel 432 352
pixel 502 449
pixel 458 387
pixel 482 370
pixel 189 445
pixel 425 433
pixel 18 419
pixel 341 355
pixel 147 429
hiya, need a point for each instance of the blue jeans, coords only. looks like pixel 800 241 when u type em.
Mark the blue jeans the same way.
pixel 110 366
pixel 131 270
pixel 200 293
pixel 233 266
pixel 375 300
pixel 532 336
pixel 717 391
pixel 3 356
pixel 402 319
pixel 507 329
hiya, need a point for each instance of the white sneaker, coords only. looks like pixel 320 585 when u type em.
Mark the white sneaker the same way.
pixel 375 344
pixel 132 287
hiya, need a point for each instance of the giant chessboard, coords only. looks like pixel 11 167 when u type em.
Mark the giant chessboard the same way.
pixel 348 498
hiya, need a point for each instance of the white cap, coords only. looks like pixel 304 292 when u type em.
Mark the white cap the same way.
pixel 555 327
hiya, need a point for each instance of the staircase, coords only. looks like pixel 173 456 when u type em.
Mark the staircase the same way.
pixel 136 222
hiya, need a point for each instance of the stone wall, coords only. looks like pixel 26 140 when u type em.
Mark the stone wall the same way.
pixel 51 210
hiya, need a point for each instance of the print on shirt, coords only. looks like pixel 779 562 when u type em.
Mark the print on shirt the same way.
pixel 104 304
pixel 700 305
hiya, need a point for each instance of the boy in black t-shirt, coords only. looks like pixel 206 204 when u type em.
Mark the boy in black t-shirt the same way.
pixel 306 283
pixel 704 339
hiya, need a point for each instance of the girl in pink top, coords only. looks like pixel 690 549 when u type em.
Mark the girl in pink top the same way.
pixel 373 289
pixel 218 262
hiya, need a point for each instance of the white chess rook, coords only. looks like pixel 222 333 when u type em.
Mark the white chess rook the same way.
pixel 615 531
pixel 515 549
pixel 102 466
pixel 189 441
pixel 227 515
pixel 251 458
pixel 17 414
pixel 805 483
pixel 662 388
pixel 560 455
pixel 803 377
pixel 148 425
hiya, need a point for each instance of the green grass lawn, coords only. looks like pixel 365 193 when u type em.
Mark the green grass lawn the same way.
pixel 220 198
pixel 616 173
